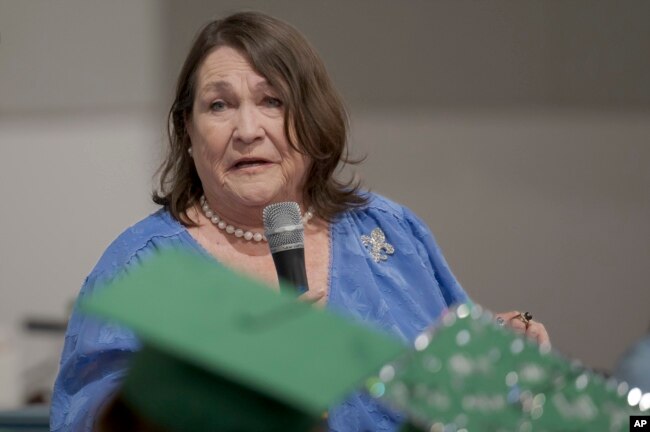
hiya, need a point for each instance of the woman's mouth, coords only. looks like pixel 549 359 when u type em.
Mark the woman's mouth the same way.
pixel 250 164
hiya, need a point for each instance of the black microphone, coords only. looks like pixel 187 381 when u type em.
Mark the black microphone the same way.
pixel 286 237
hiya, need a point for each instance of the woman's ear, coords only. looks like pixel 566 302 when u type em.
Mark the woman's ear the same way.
pixel 189 129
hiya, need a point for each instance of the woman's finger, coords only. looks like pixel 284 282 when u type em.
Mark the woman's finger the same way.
pixel 537 332
pixel 517 325
pixel 507 316
pixel 511 319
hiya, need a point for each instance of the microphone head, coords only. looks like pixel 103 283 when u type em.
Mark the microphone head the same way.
pixel 283 226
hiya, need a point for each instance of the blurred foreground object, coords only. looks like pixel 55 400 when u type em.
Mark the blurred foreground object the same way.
pixel 470 374
pixel 223 352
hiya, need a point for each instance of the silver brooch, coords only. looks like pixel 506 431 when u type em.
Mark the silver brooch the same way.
pixel 377 245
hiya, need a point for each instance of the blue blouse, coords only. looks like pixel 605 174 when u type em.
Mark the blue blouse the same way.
pixel 401 294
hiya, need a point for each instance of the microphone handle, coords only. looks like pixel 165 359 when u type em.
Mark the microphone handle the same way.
pixel 290 265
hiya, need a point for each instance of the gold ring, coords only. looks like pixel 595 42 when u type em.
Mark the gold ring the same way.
pixel 525 318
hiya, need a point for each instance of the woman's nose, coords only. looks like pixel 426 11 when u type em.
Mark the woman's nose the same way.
pixel 248 127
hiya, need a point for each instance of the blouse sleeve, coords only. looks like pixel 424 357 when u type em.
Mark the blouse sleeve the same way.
pixel 93 363
pixel 430 252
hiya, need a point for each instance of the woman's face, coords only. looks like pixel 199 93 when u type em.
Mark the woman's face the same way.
pixel 240 150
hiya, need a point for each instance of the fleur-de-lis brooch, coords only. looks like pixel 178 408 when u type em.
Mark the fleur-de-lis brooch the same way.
pixel 377 245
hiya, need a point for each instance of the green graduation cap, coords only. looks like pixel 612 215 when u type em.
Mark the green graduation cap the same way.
pixel 222 352
pixel 469 374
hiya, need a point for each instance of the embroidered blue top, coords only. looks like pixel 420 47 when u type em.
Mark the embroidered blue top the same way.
pixel 401 293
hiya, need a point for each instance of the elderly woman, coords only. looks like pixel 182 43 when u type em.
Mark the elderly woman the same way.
pixel 256 121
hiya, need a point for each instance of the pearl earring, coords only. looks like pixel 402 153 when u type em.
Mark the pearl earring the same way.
pixel 189 151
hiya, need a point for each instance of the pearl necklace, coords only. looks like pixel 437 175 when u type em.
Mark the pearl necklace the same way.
pixel 238 232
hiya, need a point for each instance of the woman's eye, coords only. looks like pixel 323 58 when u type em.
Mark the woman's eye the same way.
pixel 272 102
pixel 218 106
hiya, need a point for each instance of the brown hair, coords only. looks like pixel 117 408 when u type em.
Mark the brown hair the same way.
pixel 313 112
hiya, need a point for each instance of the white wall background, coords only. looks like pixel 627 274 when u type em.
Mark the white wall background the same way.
pixel 80 134
pixel 540 210
pixel 520 131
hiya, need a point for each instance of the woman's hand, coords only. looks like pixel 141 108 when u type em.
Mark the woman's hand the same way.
pixel 517 321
